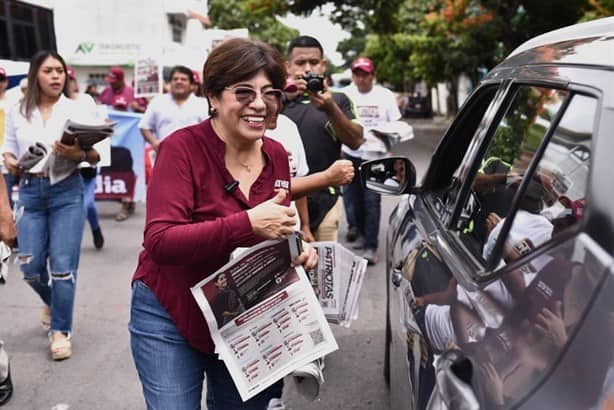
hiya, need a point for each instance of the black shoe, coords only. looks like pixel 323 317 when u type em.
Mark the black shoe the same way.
pixel 352 235
pixel 98 238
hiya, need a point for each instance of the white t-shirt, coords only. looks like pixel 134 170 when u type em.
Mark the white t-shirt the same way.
pixel 164 116
pixel 21 133
pixel 374 108
pixel 526 225
pixel 287 135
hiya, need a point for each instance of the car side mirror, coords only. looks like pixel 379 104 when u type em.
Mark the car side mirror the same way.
pixel 390 175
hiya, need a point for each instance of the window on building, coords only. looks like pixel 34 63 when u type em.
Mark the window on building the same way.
pixel 24 30
pixel 177 23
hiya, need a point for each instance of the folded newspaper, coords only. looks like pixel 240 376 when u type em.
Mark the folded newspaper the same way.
pixel 380 139
pixel 86 134
pixel 338 279
pixel 39 157
pixel 263 315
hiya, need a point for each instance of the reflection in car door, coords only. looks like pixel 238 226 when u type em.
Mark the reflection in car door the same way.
pixel 409 250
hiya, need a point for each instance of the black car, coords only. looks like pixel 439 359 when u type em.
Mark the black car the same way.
pixel 499 263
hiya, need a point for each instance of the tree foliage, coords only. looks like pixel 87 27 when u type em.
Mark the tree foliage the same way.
pixel 433 40
pixel 261 23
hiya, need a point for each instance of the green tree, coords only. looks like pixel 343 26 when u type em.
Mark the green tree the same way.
pixel 261 23
pixel 598 9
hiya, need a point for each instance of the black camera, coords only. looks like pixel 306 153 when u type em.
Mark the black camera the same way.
pixel 315 82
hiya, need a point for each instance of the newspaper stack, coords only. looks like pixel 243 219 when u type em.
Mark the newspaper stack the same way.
pixel 86 134
pixel 338 280
pixel 39 157
pixel 263 316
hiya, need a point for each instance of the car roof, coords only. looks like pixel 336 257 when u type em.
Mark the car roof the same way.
pixel 587 44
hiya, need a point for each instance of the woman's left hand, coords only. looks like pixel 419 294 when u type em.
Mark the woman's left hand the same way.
pixel 308 258
pixel 73 151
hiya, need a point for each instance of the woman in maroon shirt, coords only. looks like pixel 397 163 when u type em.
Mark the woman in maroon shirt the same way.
pixel 215 187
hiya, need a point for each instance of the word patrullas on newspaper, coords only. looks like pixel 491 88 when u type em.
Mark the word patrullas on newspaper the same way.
pixel 263 315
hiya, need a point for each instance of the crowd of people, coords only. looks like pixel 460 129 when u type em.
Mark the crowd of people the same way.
pixel 251 150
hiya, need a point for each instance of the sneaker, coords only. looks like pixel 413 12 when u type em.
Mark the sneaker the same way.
pixel 276 404
pixel 371 256
pixel 352 235
pixel 308 379
pixel 98 238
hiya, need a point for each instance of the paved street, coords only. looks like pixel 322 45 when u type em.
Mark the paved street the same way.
pixel 101 374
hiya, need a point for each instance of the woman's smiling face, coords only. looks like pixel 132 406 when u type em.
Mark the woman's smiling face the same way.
pixel 241 117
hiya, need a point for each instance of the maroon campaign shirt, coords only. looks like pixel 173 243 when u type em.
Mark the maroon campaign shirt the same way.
pixel 193 223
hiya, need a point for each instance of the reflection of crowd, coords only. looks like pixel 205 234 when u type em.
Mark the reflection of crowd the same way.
pixel 516 326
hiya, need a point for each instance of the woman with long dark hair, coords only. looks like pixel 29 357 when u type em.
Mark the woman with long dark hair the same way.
pixel 50 230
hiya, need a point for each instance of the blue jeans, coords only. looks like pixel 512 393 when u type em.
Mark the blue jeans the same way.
pixel 89 202
pixel 362 207
pixel 49 235
pixel 172 372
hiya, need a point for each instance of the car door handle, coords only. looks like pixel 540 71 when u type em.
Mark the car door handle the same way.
pixel 396 277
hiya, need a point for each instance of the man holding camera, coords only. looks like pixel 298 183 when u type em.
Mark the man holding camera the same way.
pixel 325 120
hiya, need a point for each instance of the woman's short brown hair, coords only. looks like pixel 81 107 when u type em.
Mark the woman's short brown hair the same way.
pixel 239 59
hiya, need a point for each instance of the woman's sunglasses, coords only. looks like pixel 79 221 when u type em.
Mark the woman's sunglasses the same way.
pixel 247 95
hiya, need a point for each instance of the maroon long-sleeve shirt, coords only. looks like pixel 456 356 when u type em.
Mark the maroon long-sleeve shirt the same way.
pixel 194 223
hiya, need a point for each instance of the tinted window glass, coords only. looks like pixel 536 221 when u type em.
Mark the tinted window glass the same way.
pixel 448 169
pixel 508 155
pixel 555 197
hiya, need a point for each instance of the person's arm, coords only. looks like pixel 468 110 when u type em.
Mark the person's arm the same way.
pixel 75 152
pixel 346 131
pixel 341 172
pixel 8 231
pixel 149 136
pixel 10 148
pixel 303 214
pixel 148 123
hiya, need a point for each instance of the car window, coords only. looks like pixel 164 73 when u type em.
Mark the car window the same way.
pixel 447 172
pixel 501 169
pixel 555 195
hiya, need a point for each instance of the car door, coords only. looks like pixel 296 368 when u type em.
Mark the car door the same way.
pixel 524 272
pixel 408 235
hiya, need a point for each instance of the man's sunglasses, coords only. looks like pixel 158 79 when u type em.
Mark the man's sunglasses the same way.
pixel 247 95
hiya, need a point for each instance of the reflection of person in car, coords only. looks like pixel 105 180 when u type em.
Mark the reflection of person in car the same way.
pixel 527 219
pixel 398 178
pixel 226 305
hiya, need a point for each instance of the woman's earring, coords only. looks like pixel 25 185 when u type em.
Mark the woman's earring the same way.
pixel 212 111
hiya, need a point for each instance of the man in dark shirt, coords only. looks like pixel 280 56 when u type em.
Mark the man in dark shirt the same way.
pixel 325 120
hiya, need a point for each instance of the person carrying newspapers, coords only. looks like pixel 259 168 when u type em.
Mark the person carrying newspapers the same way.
pixel 217 185
pixel 8 234
pixel 50 193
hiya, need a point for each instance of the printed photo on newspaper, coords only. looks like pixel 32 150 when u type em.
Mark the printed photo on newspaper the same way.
pixel 338 279
pixel 263 315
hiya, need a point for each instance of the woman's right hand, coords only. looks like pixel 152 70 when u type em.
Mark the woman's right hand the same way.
pixel 10 163
pixel 271 220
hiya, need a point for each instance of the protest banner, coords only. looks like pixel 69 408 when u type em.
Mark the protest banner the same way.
pixel 125 177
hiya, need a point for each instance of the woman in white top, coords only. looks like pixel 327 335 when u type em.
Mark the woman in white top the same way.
pixel 49 232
